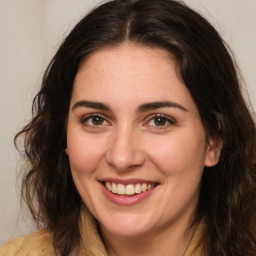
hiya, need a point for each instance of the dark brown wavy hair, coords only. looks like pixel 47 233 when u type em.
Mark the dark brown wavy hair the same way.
pixel 206 66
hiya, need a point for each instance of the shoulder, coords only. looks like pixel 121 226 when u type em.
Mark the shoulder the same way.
pixel 39 243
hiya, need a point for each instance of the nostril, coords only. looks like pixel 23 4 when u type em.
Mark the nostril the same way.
pixel 124 159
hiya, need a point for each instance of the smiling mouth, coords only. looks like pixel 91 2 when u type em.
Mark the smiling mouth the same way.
pixel 129 189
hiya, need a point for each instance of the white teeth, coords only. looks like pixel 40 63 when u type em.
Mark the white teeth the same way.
pixel 108 186
pixel 129 189
pixel 114 188
pixel 144 187
pixel 120 189
pixel 138 188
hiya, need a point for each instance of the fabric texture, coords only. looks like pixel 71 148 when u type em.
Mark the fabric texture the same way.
pixel 40 243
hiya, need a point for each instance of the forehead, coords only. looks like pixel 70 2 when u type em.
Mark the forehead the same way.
pixel 130 57
pixel 130 71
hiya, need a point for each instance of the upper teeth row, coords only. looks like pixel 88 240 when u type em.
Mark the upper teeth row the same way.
pixel 129 189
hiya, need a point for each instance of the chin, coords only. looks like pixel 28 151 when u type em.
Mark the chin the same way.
pixel 126 226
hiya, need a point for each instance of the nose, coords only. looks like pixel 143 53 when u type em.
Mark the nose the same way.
pixel 124 152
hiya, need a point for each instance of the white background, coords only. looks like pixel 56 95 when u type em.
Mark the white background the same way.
pixel 31 30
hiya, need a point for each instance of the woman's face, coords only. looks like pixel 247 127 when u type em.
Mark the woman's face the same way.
pixel 136 144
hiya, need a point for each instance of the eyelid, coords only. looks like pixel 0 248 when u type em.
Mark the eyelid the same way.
pixel 84 118
pixel 92 115
pixel 171 121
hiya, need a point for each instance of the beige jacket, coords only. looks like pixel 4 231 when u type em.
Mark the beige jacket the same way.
pixel 40 243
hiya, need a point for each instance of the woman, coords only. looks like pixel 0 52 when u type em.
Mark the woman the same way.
pixel 141 142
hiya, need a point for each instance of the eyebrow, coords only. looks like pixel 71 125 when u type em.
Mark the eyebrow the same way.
pixel 142 108
pixel 91 104
pixel 160 104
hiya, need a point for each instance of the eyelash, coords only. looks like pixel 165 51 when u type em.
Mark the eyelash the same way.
pixel 84 119
pixel 165 118
pixel 168 120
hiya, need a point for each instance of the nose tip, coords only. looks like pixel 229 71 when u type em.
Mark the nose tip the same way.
pixel 124 161
pixel 124 153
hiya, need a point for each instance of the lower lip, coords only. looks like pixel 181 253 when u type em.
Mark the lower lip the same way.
pixel 126 200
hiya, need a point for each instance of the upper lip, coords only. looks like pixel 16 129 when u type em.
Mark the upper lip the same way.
pixel 127 181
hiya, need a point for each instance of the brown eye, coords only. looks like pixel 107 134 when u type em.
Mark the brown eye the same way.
pixel 97 120
pixel 160 121
pixel 94 120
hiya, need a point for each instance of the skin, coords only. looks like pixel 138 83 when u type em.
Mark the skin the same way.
pixel 125 143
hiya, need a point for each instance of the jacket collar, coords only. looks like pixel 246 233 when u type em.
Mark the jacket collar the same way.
pixel 91 243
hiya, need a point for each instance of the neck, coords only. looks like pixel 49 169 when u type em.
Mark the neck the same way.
pixel 164 241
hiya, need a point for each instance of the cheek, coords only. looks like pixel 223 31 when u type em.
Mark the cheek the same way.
pixel 178 154
pixel 84 153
